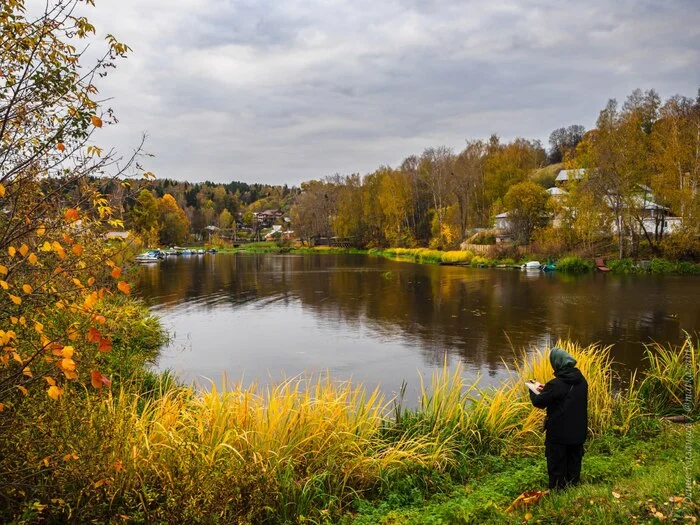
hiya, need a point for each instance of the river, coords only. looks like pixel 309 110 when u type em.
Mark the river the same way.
pixel 261 318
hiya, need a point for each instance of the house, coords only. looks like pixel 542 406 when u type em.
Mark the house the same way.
pixel 557 193
pixel 117 235
pixel 267 216
pixel 566 176
pixel 501 221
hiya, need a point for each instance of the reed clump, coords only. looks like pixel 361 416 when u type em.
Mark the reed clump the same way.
pixel 426 255
pixel 671 382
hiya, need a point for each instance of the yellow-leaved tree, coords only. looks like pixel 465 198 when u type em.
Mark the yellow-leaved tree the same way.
pixel 55 266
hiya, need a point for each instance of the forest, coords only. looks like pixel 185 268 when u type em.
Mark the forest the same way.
pixel 632 191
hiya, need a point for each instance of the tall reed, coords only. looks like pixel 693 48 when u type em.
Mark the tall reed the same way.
pixel 671 381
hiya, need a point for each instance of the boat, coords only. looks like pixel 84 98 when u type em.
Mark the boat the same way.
pixel 199 252
pixel 149 257
pixel 600 265
pixel 531 265
pixel 549 266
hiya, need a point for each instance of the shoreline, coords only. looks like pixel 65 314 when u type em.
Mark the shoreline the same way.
pixel 466 259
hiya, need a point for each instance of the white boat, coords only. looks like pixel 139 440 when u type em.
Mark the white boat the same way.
pixel 200 252
pixel 531 265
pixel 148 257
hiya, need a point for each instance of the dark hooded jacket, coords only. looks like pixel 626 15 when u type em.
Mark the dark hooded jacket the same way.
pixel 566 399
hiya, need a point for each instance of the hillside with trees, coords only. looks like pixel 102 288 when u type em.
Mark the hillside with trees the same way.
pixel 633 189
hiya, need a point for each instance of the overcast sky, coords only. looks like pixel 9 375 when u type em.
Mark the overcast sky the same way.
pixel 284 91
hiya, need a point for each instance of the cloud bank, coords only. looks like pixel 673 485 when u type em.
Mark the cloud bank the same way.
pixel 289 90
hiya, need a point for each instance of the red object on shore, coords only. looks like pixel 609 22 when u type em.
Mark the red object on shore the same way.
pixel 600 265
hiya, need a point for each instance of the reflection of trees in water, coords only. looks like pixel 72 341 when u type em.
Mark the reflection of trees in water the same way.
pixel 472 314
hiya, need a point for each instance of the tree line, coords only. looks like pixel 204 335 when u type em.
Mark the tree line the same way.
pixel 641 161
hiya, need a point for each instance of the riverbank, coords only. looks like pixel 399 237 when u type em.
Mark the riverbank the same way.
pixel 639 478
pixel 320 451
pixel 570 264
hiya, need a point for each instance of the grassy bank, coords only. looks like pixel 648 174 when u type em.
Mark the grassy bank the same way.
pixel 639 478
pixel 314 451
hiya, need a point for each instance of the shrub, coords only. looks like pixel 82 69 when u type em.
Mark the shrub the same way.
pixel 457 256
pixel 681 246
pixel 480 261
pixel 623 266
pixel 574 265
pixel 661 266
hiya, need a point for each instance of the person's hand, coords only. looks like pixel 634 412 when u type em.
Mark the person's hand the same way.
pixel 540 388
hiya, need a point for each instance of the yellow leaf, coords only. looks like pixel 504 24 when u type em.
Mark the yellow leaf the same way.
pixel 77 282
pixel 27 288
pixel 70 374
pixel 77 250
pixel 50 381
pixel 22 320
pixel 58 249
pixel 3 270
pixel 528 516
pixel 90 300
pixel 124 287
pixel 17 358
pixel 91 281
pixel 4 284
pixel 2 190
pixel 96 121
pixel 32 258
pixel 38 327
pixel 13 319
pixel 46 247
pixel 67 364
pixel 23 390
pixel 11 250
pixel 15 299
pixel 27 371
pixel 67 352
pixel 41 230
pixel 54 392
pixel 23 250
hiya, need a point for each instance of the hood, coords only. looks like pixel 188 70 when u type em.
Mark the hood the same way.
pixel 561 360
pixel 564 365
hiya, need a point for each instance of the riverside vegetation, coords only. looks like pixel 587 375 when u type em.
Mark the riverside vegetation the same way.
pixel 320 451
pixel 570 264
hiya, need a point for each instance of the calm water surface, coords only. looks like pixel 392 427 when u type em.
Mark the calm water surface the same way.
pixel 378 321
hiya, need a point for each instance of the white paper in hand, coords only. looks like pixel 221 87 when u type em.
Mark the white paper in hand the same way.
pixel 534 386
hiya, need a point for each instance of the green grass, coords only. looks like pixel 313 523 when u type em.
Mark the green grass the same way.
pixel 574 265
pixel 645 470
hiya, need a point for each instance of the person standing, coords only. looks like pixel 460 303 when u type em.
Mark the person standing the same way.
pixel 566 399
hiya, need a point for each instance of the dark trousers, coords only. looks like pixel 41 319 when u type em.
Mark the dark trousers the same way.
pixel 563 464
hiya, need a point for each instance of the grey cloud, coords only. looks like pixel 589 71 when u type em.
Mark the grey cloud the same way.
pixel 288 90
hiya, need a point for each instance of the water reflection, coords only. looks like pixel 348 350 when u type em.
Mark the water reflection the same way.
pixel 379 321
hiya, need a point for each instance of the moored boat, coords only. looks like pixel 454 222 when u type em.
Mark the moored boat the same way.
pixel 150 256
pixel 531 265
